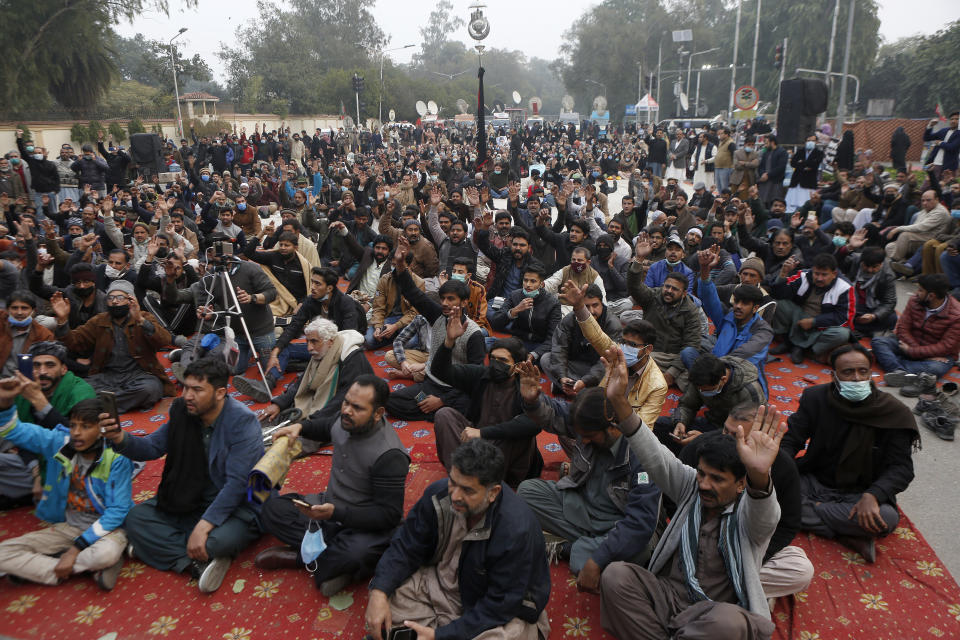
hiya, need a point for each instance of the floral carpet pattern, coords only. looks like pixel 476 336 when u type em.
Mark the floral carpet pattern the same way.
pixel 906 595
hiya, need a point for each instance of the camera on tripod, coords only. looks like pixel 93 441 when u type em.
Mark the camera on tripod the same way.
pixel 223 249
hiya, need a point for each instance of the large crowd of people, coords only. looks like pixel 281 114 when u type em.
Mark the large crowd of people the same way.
pixel 613 264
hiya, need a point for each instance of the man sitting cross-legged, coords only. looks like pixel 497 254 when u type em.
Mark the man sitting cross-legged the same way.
pixel 703 577
pixel 363 502
pixel 468 562
pixel 200 517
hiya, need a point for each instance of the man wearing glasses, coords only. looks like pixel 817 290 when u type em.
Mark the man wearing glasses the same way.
pixel 124 342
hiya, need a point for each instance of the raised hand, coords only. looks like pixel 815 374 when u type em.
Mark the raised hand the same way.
pixel 759 448
pixel 455 327
pixel 643 248
pixel 529 376
pixel 574 294
pixel 60 306
pixel 473 196
pixel 435 197
pixel 858 239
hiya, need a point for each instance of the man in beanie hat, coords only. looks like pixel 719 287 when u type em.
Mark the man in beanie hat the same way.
pixel 92 170
pixel 48 398
pixel 124 341
pixel 85 299
pixel 426 263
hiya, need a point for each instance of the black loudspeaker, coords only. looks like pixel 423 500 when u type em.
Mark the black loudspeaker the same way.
pixel 801 100
pixel 146 152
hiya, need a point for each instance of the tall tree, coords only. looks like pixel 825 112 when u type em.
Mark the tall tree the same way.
pixel 148 62
pixel 436 35
pixel 59 49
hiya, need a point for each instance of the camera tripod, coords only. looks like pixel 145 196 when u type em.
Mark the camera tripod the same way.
pixel 231 306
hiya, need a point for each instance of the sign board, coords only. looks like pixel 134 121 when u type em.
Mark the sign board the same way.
pixel 748 114
pixel 683 35
pixel 746 98
pixel 630 110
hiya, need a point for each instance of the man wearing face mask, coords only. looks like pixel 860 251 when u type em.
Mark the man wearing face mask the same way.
pixel 45 178
pixel 92 170
pixel 117 159
pixel 806 171
pixel 69 187
pixel 857 441
pixel 124 342
pixel 875 286
pixel 10 183
pixel 580 272
pixel 495 408
pixel 531 313
pixel 18 330
pixel 745 163
pixel 926 340
pixel 86 300
pixel 671 263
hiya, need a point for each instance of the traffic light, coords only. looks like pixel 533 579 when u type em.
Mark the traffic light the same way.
pixel 357 83
pixel 778 57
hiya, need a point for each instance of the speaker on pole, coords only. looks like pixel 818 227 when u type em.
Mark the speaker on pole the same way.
pixel 146 150
pixel 801 101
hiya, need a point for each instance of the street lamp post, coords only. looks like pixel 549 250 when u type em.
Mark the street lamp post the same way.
pixel 176 90
pixel 733 67
pixel 380 109
pixel 690 64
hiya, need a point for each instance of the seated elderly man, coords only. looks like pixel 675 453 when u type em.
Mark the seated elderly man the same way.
pixel 815 308
pixel 857 442
pixel 572 363
pixel 933 217
pixel 469 561
pixel 336 361
pixel 703 579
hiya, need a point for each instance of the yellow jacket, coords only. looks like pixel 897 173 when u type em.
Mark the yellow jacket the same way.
pixel 647 395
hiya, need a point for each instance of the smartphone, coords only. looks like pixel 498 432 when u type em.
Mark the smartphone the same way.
pixel 402 633
pixel 301 503
pixel 25 364
pixel 675 436
pixel 811 217
pixel 420 397
pixel 108 399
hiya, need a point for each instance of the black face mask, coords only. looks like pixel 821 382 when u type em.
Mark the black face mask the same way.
pixel 83 292
pixel 889 197
pixel 604 253
pixel 119 311
pixel 499 371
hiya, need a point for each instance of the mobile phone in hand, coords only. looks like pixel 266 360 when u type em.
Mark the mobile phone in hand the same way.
pixel 108 400
pixel 301 503
pixel 25 364
pixel 402 633
pixel 421 397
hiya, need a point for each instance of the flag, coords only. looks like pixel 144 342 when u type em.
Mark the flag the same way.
pixel 939 112
pixel 343 110
pixel 481 127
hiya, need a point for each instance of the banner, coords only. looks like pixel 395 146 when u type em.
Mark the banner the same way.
pixel 481 126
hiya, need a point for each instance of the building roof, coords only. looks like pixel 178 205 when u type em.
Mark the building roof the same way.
pixel 199 95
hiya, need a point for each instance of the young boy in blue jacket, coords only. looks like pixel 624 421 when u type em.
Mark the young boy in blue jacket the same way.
pixel 87 497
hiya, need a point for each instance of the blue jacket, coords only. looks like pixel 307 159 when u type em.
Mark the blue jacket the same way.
pixel 658 271
pixel 236 446
pixel 108 481
pixel 503 571
pixel 750 342
pixel 950 148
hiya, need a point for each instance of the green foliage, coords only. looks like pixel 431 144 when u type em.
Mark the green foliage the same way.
pixel 79 133
pixel 917 72
pixel 147 62
pixel 211 128
pixel 27 136
pixel 436 34
pixel 135 126
pixel 59 50
pixel 117 131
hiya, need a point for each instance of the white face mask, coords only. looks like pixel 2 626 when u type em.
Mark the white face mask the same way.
pixel 111 272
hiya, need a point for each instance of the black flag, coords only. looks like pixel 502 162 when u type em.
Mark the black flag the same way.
pixel 481 128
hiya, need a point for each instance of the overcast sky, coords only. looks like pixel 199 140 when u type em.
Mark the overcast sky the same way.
pixel 510 23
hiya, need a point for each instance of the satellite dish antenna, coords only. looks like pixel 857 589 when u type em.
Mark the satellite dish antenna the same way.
pixel 535 104
pixel 516 97
pixel 421 108
pixel 393 115
pixel 432 107
pixel 684 102
pixel 599 104
pixel 462 105
pixel 567 102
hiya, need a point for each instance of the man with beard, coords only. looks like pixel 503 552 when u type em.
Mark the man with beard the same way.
pixel 469 558
pixel 672 263
pixel 18 330
pixel 363 503
pixel 200 516
pixel 452 242
pixel 289 272
pixel 373 262
pixel 124 343
pixel 510 260
pixel 69 187
pixel 45 400
pixel 420 401
pixel 425 262
pixel 86 300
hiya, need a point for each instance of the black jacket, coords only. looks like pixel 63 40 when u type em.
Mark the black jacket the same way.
pixel 535 325
pixel 44 174
pixel 817 421
pixel 503 572
pixel 885 288
pixel 345 312
pixel 806 168
pixel 503 258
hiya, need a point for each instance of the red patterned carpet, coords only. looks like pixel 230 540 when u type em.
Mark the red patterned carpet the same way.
pixel 906 595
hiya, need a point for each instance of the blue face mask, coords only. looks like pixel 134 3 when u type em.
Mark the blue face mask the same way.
pixel 458 276
pixel 631 354
pixel 241 206
pixel 20 324
pixel 854 390
pixel 531 294
pixel 205 178
pixel 810 145
pixel 29 148
pixel 312 545
pixel 710 394
pixel 839 241
pixel 344 189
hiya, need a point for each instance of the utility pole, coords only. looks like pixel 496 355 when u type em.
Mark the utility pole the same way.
pixel 833 38
pixel 842 107
pixel 733 67
pixel 756 43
